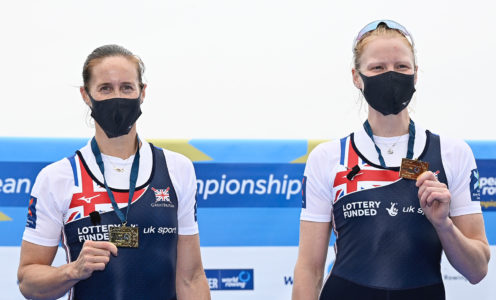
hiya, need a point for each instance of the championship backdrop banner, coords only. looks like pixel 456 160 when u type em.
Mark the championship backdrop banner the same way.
pixel 249 200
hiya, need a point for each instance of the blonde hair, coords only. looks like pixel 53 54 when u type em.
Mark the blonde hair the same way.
pixel 382 30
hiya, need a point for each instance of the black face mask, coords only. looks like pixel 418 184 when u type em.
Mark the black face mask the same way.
pixel 390 92
pixel 116 116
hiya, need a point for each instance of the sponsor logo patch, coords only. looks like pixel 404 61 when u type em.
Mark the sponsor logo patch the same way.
pixel 474 185
pixel 31 221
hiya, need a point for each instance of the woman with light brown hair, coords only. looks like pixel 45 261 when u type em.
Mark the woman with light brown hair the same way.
pixel 124 210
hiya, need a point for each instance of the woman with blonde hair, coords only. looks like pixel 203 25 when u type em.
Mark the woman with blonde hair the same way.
pixel 395 194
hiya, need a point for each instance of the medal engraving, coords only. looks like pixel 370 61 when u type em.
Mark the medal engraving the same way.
pixel 124 236
pixel 411 169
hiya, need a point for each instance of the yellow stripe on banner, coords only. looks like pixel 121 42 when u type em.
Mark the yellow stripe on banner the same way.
pixel 181 146
pixel 311 145
pixel 4 217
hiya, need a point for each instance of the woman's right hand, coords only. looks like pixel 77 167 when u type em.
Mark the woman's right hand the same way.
pixel 94 256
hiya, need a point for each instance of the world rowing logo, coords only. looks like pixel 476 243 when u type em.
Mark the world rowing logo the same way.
pixel 162 198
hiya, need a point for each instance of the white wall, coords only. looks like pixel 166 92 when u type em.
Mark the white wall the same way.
pixel 242 69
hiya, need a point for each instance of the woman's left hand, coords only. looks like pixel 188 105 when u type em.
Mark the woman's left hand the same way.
pixel 434 198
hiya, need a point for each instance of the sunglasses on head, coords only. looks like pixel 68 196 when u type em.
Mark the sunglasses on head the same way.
pixel 389 23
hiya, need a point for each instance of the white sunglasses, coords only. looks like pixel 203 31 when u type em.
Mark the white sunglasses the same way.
pixel 389 23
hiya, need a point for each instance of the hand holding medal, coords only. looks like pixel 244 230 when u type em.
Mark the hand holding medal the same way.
pixel 434 198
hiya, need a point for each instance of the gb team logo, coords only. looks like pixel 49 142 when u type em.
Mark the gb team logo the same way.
pixel 162 198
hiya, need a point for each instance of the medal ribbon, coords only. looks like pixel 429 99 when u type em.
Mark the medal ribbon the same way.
pixel 132 180
pixel 411 141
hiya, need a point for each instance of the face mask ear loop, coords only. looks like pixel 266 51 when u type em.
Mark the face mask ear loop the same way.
pixel 92 100
pixel 363 83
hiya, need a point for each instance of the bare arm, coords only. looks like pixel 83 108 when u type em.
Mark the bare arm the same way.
pixel 466 247
pixel 463 237
pixel 39 280
pixel 191 282
pixel 312 253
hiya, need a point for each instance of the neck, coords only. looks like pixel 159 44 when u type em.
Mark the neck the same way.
pixel 123 146
pixel 390 125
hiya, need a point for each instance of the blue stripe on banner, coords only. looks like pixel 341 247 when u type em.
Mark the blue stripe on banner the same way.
pixel 219 184
pixel 229 214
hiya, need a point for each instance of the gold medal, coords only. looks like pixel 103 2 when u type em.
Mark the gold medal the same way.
pixel 124 236
pixel 411 169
